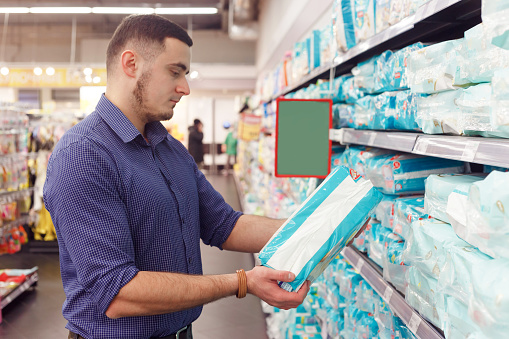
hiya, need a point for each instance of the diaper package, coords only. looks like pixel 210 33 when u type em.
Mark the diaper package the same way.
pixel 359 155
pixel 350 92
pixel 364 112
pixel 394 269
pixel 406 111
pixel 422 295
pixel 407 210
pixel 489 306
pixel 456 322
pixel 364 19
pixel 383 115
pixel 456 277
pixel 438 189
pixel 436 68
pixel 321 227
pixel 424 247
pixel 481 58
pixel 463 111
pixel 495 15
pixel 383 14
pixel 364 75
pixel 487 222
pixel 405 173
pixel 342 114
pixel 342 23
pixel 384 212
pixel 384 70
pixel 499 112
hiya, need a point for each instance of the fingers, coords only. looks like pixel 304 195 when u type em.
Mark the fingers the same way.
pixel 285 276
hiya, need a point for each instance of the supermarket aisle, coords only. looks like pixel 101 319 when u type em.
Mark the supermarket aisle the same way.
pixel 37 314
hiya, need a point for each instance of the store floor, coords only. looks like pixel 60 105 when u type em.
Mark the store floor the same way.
pixel 37 313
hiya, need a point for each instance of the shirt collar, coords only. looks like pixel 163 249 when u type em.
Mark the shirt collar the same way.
pixel 123 127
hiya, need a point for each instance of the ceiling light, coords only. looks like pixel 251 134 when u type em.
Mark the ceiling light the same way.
pixel 4 70
pixel 14 10
pixel 193 75
pixel 97 80
pixel 59 10
pixel 50 71
pixel 88 79
pixel 87 71
pixel 122 10
pixel 186 10
pixel 37 71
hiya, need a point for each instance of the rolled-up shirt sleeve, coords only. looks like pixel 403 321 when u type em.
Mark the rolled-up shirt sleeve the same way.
pixel 82 194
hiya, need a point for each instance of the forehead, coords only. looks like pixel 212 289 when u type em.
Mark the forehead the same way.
pixel 176 51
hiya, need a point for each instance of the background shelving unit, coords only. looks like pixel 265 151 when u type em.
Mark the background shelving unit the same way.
pixel 31 280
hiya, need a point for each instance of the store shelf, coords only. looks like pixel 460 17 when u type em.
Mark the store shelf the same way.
pixel 240 191
pixel 412 319
pixel 437 20
pixel 487 151
pixel 9 298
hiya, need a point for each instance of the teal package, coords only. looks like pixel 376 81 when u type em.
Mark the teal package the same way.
pixel 347 7
pixel 406 111
pixel 405 173
pixel 364 19
pixel 385 111
pixel 364 111
pixel 489 306
pixel 424 246
pixel 383 71
pixel 407 210
pixel 322 226
pixel 315 43
pixel 350 91
pixel 358 155
pixel 422 294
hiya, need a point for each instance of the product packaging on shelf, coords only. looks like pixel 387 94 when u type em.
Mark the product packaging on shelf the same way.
pixel 500 101
pixel 477 213
pixel 405 173
pixel 343 24
pixel 422 295
pixel 407 210
pixel 406 111
pixel 323 225
pixel 364 19
pixel 438 189
pixel 495 15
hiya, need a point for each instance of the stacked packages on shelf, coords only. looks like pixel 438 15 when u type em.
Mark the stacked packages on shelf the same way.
pixel 341 304
pixel 15 198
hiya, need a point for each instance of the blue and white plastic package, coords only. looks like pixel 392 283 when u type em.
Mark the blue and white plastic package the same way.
pixel 322 226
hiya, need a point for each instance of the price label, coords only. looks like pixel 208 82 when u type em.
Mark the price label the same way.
pixel 360 263
pixel 421 146
pixel 470 150
pixel 371 140
pixel 414 323
pixel 387 294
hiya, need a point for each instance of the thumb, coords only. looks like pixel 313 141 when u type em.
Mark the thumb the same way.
pixel 285 276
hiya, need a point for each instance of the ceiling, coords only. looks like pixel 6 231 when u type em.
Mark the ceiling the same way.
pixel 106 23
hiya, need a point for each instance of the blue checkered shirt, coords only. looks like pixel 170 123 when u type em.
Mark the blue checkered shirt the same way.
pixel 121 205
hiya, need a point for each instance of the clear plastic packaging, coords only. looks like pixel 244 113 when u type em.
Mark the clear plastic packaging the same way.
pixel 407 210
pixel 436 68
pixel 406 111
pixel 422 295
pixel 343 24
pixel 495 15
pixel 489 306
pixel 500 101
pixel 405 173
pixel 438 189
pixel 364 19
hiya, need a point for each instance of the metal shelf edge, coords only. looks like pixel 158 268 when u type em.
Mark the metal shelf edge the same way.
pixel 31 279
pixel 412 319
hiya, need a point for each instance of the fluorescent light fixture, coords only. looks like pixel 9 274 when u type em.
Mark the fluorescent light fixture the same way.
pixel 37 71
pixel 122 10
pixel 88 78
pixel 61 10
pixel 50 71
pixel 87 71
pixel 4 70
pixel 186 10
pixel 14 10
pixel 97 80
pixel 194 74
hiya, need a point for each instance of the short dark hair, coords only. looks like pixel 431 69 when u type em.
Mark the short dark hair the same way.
pixel 144 30
pixel 196 122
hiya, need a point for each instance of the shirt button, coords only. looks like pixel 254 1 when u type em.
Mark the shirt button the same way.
pixel 190 260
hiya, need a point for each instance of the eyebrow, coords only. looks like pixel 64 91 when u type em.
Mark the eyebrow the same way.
pixel 180 65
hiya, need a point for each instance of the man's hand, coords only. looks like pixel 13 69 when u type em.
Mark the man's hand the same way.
pixel 263 283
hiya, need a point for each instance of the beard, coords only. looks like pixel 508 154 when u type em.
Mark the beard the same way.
pixel 139 103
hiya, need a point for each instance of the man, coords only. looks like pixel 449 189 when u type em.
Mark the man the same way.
pixel 229 147
pixel 130 205
pixel 195 144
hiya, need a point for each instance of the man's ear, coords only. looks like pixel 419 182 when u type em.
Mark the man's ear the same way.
pixel 129 62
